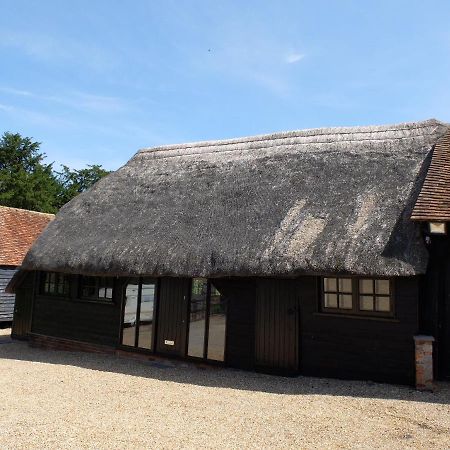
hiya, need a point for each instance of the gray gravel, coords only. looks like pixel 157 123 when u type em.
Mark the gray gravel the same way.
pixel 53 399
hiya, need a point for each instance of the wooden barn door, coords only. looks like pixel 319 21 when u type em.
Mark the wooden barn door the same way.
pixel 277 326
pixel 444 327
pixel 172 316
pixel 23 307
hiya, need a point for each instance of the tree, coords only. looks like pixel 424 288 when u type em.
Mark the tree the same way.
pixel 25 181
pixel 73 182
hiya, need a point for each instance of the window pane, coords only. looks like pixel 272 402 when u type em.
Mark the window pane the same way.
pixel 89 292
pixel 102 292
pixel 109 293
pixel 330 301
pixel 146 314
pixel 382 304
pixel 329 284
pixel 366 286
pixel 197 317
pixel 345 301
pixel 382 287
pixel 217 326
pixel 129 315
pixel 366 303
pixel 345 285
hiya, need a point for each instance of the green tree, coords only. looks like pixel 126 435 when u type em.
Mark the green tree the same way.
pixel 73 182
pixel 25 181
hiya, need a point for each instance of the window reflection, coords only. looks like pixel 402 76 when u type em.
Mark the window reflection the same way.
pixel 146 314
pixel 129 315
pixel 217 326
pixel 206 302
pixel 140 297
pixel 197 317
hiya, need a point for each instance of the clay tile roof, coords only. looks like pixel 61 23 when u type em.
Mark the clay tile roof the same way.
pixel 433 203
pixel 19 228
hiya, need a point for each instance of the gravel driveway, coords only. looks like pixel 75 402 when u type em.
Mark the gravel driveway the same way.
pixel 53 399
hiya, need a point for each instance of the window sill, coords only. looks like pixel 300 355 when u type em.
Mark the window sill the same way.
pixel 77 299
pixel 355 316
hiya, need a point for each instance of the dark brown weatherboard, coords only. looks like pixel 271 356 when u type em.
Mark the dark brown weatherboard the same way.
pixel 433 203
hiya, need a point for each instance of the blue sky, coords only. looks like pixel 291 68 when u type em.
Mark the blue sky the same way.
pixel 94 81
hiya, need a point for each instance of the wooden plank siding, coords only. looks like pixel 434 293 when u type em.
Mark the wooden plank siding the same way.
pixel 6 300
pixel 240 294
pixel 277 325
pixel 274 325
pixel 435 307
pixel 21 325
pixel 81 320
pixel 172 315
pixel 360 348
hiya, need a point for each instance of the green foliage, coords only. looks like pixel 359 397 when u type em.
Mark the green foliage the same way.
pixel 27 182
pixel 73 182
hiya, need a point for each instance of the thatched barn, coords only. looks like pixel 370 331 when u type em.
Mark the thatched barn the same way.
pixel 296 252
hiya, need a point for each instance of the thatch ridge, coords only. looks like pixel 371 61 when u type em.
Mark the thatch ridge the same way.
pixel 305 133
pixel 314 201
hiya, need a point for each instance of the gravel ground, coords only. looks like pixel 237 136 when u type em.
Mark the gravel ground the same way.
pixel 53 399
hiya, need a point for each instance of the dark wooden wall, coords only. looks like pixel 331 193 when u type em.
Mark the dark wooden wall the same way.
pixel 80 320
pixel 435 303
pixel 240 339
pixel 23 307
pixel 277 325
pixel 271 324
pixel 360 348
pixel 172 315
pixel 6 300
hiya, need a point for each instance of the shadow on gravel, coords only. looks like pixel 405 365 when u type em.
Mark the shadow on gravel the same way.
pixel 201 375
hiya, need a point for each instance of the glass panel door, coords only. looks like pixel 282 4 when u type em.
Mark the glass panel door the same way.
pixel 207 321
pixel 145 331
pixel 138 315
pixel 130 314
pixel 217 325
pixel 197 317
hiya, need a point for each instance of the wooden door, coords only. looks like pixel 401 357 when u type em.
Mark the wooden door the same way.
pixel 444 327
pixel 172 316
pixel 23 307
pixel 277 326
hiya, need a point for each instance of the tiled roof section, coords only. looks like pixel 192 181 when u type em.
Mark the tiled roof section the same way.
pixel 433 203
pixel 19 228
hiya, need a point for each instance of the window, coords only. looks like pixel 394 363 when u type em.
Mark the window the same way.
pixel 54 283
pixel 364 296
pixel 338 293
pixel 374 295
pixel 207 321
pixel 96 288
pixel 138 313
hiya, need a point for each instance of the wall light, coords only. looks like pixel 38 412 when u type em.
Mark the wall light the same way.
pixel 437 227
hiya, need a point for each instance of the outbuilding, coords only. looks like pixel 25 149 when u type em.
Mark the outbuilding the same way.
pixel 319 252
pixel 19 228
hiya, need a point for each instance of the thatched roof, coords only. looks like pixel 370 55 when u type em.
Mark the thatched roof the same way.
pixel 314 201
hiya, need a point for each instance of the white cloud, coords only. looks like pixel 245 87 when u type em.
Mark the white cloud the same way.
pixel 294 57
pixel 56 50
pixel 37 118
pixel 77 100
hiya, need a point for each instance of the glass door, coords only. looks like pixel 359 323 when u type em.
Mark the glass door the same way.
pixel 138 313
pixel 207 321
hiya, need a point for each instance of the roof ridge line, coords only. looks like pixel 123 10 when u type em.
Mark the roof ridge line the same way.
pixel 296 134
pixel 27 210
